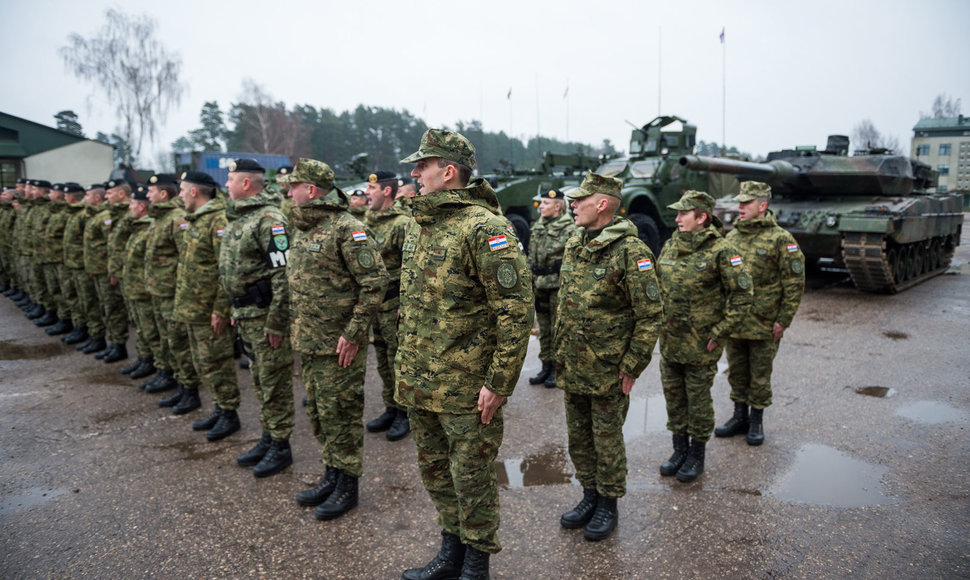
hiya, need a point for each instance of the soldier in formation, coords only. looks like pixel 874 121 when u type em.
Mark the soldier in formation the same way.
pixel 147 339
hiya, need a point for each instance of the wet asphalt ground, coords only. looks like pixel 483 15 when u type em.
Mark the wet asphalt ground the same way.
pixel 863 473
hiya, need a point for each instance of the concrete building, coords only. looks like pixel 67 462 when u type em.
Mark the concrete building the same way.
pixel 36 151
pixel 944 144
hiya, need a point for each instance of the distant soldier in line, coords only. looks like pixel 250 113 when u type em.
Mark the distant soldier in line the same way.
pixel 68 246
pixel 22 247
pixel 96 265
pixel 706 293
pixel 147 339
pixel 777 269
pixel 40 214
pixel 252 269
pixel 388 221
pixel 202 305
pixel 8 216
pixel 78 215
pixel 358 203
pixel 95 262
pixel 117 322
pixel 50 253
pixel 548 240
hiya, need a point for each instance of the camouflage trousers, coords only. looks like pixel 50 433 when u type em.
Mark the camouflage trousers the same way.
pixel 335 406
pixel 456 454
pixel 212 357
pixel 113 310
pixel 687 391
pixel 546 303
pixel 272 370
pixel 163 356
pixel 750 364
pixel 6 272
pixel 596 446
pixel 38 284
pixel 174 342
pixel 87 292
pixel 385 346
pixel 69 297
pixel 53 285
pixel 147 339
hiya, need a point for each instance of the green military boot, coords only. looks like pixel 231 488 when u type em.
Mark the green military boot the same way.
pixel 681 445
pixel 446 565
pixel 737 424
pixel 694 466
pixel 756 433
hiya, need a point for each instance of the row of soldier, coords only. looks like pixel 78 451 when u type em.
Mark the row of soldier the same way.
pixel 450 298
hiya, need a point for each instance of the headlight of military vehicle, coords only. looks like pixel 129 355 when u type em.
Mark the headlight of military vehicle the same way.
pixel 831 221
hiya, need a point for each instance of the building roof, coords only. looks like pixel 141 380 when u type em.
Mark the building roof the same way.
pixel 21 138
pixel 936 124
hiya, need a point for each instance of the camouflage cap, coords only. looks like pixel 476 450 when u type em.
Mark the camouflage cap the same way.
pixel 753 190
pixel 596 183
pixel 445 144
pixel 310 171
pixel 693 199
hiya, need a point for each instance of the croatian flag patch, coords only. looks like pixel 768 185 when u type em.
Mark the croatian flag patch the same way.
pixel 278 230
pixel 498 243
pixel 792 247
pixel 183 225
pixel 220 231
pixel 107 222
pixel 359 236
pixel 644 264
pixel 735 260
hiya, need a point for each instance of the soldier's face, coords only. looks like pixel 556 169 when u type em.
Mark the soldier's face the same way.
pixel 687 221
pixel 358 200
pixel 55 195
pixel 550 208
pixel 236 185
pixel 429 176
pixel 185 192
pixel 585 210
pixel 32 192
pixel 115 194
pixel 751 209
pixel 137 209
pixel 301 193
pixel 156 195
pixel 375 195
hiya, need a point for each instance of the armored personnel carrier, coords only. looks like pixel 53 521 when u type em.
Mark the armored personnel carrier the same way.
pixel 871 213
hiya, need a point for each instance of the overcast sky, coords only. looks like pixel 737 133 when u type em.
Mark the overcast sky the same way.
pixel 795 71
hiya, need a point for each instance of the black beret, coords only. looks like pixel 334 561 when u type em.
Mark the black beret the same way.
pixel 246 166
pixel 116 183
pixel 163 179
pixel 22 180
pixel 41 183
pixel 285 170
pixel 381 176
pixel 199 178
pixel 58 187
pixel 141 193
pixel 72 187
pixel 97 186
pixel 552 194
pixel 358 192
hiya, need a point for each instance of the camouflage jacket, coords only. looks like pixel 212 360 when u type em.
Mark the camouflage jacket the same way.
pixel 256 247
pixel 198 294
pixel 73 240
pixel 22 234
pixel 390 226
pixel 118 238
pixel 51 249
pixel 133 277
pixel 609 309
pixel 8 220
pixel 96 241
pixel 777 269
pixel 336 275
pixel 546 245
pixel 706 292
pixel 162 248
pixel 466 302
pixel 37 228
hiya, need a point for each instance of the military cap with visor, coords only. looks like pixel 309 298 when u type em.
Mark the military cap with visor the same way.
pixel 446 145
pixel 751 190
pixel 311 171
pixel 199 178
pixel 245 166
pixel 693 199
pixel 596 183
pixel 163 179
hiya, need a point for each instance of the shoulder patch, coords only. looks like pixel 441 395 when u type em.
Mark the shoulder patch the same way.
pixel 359 236
pixel 645 264
pixel 506 276
pixel 735 260
pixel 744 280
pixel 792 247
pixel 366 258
pixel 220 232
pixel 653 291
pixel 498 243
pixel 281 242
pixel 796 266
pixel 278 230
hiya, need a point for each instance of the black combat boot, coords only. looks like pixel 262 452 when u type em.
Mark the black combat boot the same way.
pixel 319 493
pixel 547 368
pixel 401 426
pixel 165 382
pixel 36 312
pixel 342 500
pixel 604 519
pixel 756 433
pixel 475 566
pixel 445 565
pixel 102 353
pixel 189 402
pixel 144 368
pixel 149 383
pixel 737 424
pixel 681 444
pixel 174 398
pixel 63 326
pixel 550 382
pixel 79 334
pixel 254 455
pixel 96 345
pixel 47 319
pixel 278 457
pixel 227 424
pixel 209 422
pixel 580 515
pixel 128 368
pixel 117 352
pixel 694 466
pixel 382 422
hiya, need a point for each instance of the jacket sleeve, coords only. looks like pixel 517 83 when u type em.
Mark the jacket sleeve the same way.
pixel 364 263
pixel 278 244
pixel 791 273
pixel 643 292
pixel 221 305
pixel 737 289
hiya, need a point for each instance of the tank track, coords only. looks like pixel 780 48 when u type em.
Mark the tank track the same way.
pixel 881 266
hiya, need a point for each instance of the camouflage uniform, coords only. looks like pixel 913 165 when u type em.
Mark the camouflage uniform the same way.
pixel 608 322
pixel 23 243
pixel 337 281
pixel 777 269
pixel 706 292
pixel 116 323
pixel 466 315
pixel 8 216
pixel 37 226
pixel 252 262
pixel 147 339
pixel 95 241
pixel 78 215
pixel 52 255
pixel 546 245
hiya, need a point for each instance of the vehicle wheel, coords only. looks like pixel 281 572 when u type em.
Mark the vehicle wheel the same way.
pixel 896 265
pixel 522 230
pixel 648 230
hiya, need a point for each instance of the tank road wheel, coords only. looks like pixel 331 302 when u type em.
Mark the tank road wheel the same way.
pixel 522 230
pixel 894 257
pixel 936 254
pixel 919 254
pixel 912 265
pixel 648 231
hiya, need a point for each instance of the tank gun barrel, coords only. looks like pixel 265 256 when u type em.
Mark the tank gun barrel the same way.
pixel 776 171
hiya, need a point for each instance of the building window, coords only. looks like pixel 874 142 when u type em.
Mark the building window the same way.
pixel 943 169
pixel 944 148
pixel 923 149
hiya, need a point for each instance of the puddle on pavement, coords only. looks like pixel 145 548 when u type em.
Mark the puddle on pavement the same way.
pixel 191 451
pixel 930 412
pixel 825 476
pixel 875 391
pixel 12 504
pixel 550 467
pixel 895 335
pixel 12 351
pixel 645 416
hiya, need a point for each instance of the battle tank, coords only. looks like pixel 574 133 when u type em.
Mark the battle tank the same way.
pixel 871 213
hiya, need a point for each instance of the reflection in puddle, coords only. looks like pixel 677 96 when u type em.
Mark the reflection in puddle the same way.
pixel 550 467
pixel 929 412
pixel 874 391
pixel 645 416
pixel 822 475
pixel 12 504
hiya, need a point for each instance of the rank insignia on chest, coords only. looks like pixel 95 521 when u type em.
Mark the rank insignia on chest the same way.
pixel 644 264
pixel 599 273
pixel 220 231
pixel 314 247
pixel 437 253
pixel 359 236
pixel 183 225
pixel 498 243
pixel 792 247
pixel 107 222
pixel 735 260
pixel 278 230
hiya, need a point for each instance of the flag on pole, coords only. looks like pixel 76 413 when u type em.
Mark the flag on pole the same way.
pixel 509 94
pixel 722 35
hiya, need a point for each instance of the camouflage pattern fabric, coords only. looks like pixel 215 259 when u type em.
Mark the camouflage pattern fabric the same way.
pixel 163 356
pixel 39 217
pixel 96 242
pixel 213 364
pixel 148 341
pixel 687 392
pixel 118 235
pixel 176 338
pixel 161 249
pixel 8 220
pixel 750 363
pixel 198 295
pixel 87 293
pixel 385 348
pixel 113 311
pixel 72 258
pixel 272 371
pixel 546 245
pixel 596 446
pixel 456 453
pixel 51 247
pixel 335 406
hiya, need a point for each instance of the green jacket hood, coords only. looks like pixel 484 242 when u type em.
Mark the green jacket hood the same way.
pixel 238 207
pixel 212 206
pixel 307 216
pixel 477 192
pixel 619 227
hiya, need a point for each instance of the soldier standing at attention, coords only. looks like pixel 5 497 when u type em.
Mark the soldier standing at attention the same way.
pixel 548 240
pixel 40 214
pixel 52 255
pixel 147 340
pixel 337 281
pixel 777 268
pixel 84 302
pixel 95 264
pixel 67 243
pixel 202 305
pixel 286 206
pixel 608 322
pixel 706 293
pixel 466 314
pixel 116 322
pixel 252 269
pixel 388 221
